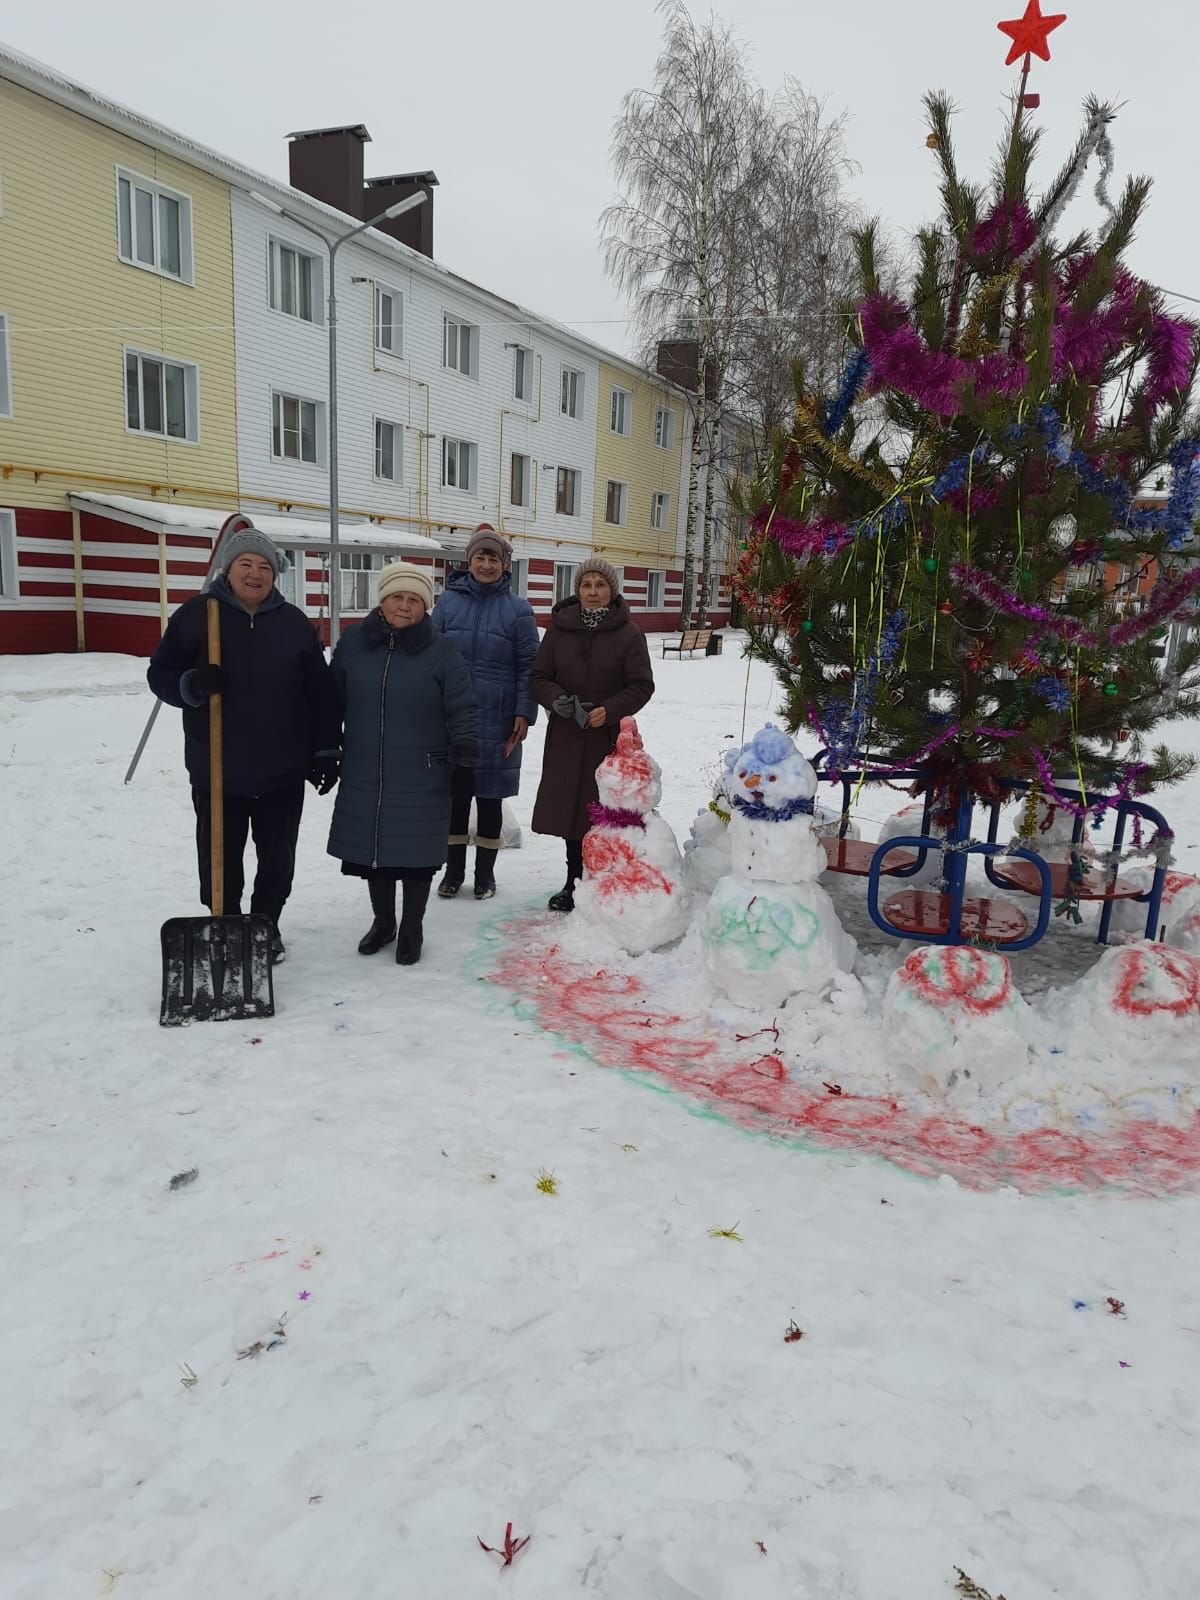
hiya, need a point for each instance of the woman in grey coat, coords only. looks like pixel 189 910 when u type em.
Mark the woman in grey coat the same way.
pixel 410 718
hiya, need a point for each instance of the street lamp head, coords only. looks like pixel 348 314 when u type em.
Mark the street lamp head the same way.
pixel 411 204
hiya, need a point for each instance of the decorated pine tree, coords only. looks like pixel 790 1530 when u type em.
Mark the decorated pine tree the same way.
pixel 922 570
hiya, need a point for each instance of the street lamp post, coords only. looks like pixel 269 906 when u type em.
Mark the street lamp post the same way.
pixel 332 246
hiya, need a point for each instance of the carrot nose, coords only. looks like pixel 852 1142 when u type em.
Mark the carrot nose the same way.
pixel 753 781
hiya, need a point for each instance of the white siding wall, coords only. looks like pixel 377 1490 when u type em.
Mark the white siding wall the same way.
pixel 280 352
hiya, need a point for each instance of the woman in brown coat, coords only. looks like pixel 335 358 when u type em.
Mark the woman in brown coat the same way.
pixel 592 668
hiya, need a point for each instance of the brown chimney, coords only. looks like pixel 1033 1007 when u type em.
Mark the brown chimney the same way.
pixel 327 163
pixel 414 228
pixel 679 362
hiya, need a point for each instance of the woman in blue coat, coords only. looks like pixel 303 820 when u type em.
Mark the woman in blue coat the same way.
pixel 497 637
pixel 410 720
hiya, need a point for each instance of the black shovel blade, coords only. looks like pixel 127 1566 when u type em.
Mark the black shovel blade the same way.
pixel 216 969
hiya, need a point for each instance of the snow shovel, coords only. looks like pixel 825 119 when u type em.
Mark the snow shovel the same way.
pixel 218 968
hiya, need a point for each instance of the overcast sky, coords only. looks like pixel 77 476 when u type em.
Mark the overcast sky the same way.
pixel 512 103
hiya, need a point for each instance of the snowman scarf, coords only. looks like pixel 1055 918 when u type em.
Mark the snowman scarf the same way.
pixel 614 816
pixel 756 811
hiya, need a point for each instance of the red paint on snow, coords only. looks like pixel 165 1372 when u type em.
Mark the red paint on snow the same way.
pixel 612 1016
pixel 1137 965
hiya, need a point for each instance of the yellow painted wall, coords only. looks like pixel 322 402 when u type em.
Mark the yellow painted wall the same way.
pixel 639 462
pixel 73 306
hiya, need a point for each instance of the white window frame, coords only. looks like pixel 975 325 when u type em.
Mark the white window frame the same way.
pixel 455 448
pixel 396 348
pixel 278 397
pixel 359 567
pixel 571 403
pixel 664 437
pixel 466 339
pixel 622 516
pixel 520 576
pixel 526 479
pixel 523 363
pixel 10 577
pixel 289 576
pixel 564 580
pixel 621 412
pixel 660 511
pixel 397 474
pixel 158 193
pixel 191 395
pixel 276 276
pixel 574 480
pixel 656 588
pixel 6 398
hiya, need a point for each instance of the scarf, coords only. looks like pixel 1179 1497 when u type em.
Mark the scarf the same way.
pixel 592 619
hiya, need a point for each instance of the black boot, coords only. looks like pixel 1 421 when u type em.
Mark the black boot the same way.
pixel 456 869
pixel 564 900
pixel 383 903
pixel 278 948
pixel 485 871
pixel 411 935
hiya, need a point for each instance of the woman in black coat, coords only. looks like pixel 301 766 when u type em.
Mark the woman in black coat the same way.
pixel 410 718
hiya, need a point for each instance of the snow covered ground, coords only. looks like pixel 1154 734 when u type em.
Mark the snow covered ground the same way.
pixel 463 1348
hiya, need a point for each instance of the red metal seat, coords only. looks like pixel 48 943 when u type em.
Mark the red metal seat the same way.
pixel 1023 876
pixel 923 911
pixel 854 856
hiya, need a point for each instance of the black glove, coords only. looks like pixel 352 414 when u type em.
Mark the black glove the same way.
pixel 323 773
pixel 198 683
pixel 565 705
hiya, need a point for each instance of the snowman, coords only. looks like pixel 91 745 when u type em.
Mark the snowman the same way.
pixel 706 851
pixel 633 886
pixel 908 823
pixel 1052 836
pixel 770 931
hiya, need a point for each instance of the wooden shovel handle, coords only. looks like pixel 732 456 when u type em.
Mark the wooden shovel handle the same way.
pixel 216 767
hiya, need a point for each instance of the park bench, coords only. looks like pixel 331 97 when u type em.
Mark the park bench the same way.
pixel 691 640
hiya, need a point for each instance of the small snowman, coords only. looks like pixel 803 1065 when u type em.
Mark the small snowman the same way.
pixel 908 823
pixel 633 886
pixel 770 931
pixel 1052 837
pixel 706 851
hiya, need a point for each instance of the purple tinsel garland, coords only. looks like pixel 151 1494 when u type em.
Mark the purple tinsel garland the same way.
pixel 1133 774
pixel 1169 602
pixel 986 588
pixel 614 816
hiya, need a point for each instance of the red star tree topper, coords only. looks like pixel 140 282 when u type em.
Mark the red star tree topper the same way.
pixel 1029 33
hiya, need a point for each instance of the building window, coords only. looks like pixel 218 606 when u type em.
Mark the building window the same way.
pixel 293 282
pixel 622 412
pixel 286 581
pixel 522 373
pixel 460 346
pixel 389 451
pixel 10 588
pixel 660 511
pixel 564 580
pixel 358 579
pixel 296 428
pixel 566 499
pixel 664 428
pixel 458 465
pixel 154 226
pixel 655 582
pixel 714 591
pixel 520 576
pixel 389 321
pixel 5 370
pixel 572 392
pixel 616 503
pixel 519 480
pixel 161 396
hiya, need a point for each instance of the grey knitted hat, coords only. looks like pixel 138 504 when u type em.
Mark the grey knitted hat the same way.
pixel 605 569
pixel 250 542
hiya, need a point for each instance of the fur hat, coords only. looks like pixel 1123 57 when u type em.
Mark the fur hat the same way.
pixel 250 542
pixel 605 569
pixel 401 577
pixel 485 537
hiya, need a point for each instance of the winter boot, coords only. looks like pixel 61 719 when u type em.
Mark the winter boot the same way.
pixel 485 868
pixel 564 900
pixel 456 868
pixel 278 948
pixel 411 933
pixel 383 903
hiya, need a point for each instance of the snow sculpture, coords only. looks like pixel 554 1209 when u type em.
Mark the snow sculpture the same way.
pixel 706 851
pixel 770 931
pixel 1179 911
pixel 1146 993
pixel 907 823
pixel 954 1022
pixel 633 886
pixel 1052 837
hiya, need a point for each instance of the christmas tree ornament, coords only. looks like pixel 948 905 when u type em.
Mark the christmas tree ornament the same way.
pixel 1029 33
pixel 1110 689
pixel 807 625
pixel 930 564
pixel 1061 532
